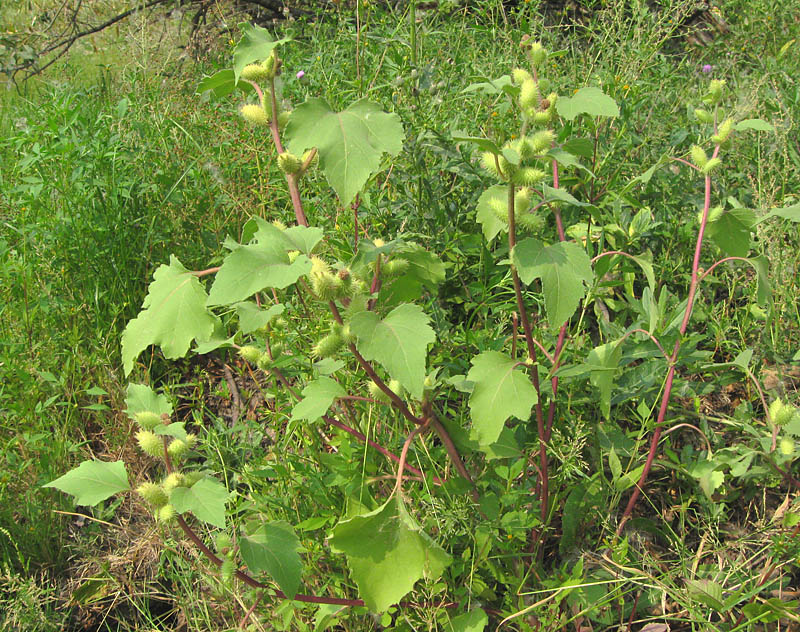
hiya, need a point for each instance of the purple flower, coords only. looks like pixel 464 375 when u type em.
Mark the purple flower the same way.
pixel 707 68
pixel 302 73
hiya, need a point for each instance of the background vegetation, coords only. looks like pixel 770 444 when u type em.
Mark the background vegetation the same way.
pixel 111 162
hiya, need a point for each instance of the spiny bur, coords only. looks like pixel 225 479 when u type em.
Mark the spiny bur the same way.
pixel 255 114
pixel 177 449
pixel 150 443
pixel 329 345
pixel 153 494
pixel 148 420
pixel 710 166
pixel 250 354
pixel 255 72
pixel 699 156
pixel 173 480
pixel 289 163
pixel 166 514
pixel 723 131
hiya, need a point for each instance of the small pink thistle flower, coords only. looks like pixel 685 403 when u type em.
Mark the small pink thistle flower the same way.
pixel 707 69
pixel 302 73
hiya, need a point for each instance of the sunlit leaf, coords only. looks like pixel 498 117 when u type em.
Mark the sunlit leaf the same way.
pixel 93 481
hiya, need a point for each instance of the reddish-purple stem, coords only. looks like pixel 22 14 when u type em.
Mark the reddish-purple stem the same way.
pixel 662 411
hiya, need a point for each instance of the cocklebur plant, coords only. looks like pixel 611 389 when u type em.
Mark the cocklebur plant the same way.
pixel 345 334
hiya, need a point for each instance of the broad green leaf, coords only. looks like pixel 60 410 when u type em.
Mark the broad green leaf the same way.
pixel 176 429
pixel 140 398
pixel 350 143
pixel 560 195
pixel 731 231
pixel 583 147
pixel 253 318
pixel 273 548
pixel 564 269
pixel 482 143
pixel 93 481
pixel 494 197
pixel 501 391
pixel 222 83
pixel 756 124
pixel 592 101
pixel 317 399
pixel 250 269
pixel 303 238
pixel 473 621
pixel 174 313
pixel 399 343
pixel 792 213
pixel 327 366
pixel 205 499
pixel 614 464
pixel 255 46
pixel 387 553
pixel 492 86
pixel 214 343
pixel 604 362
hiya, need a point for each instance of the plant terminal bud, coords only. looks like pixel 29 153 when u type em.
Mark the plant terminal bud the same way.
pixel 522 200
pixel 714 94
pixel 704 116
pixel 710 166
pixel 250 354
pixel 268 65
pixel 150 443
pixel 153 494
pixel 490 162
pixel 255 72
pixel 538 54
pixel 786 446
pixel 699 157
pixel 520 76
pixel 528 94
pixel 289 163
pixel 147 420
pixel 254 114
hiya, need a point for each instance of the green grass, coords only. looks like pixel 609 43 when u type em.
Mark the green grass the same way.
pixel 108 174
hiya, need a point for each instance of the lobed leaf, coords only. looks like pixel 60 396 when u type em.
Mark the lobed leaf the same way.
pixel 500 391
pixel 205 499
pixel 399 342
pixel 564 268
pixel 93 481
pixel 350 143
pixel 591 101
pixel 174 313
pixel 387 553
pixel 317 399
pixel 273 548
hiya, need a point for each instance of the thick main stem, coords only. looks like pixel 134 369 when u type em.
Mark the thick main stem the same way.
pixel 526 326
pixel 662 411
